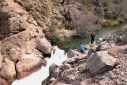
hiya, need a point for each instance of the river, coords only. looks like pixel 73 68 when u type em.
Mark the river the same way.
pixel 74 42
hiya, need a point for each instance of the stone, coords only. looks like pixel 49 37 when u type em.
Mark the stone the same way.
pixel 8 71
pixel 100 62
pixel 70 60
pixel 65 66
pixel 82 69
pixel 52 68
pixel 56 73
pixel 44 45
pixel 27 65
pixel 91 51
pixel 68 73
pixel 3 81
pixel 14 46
pixel 72 53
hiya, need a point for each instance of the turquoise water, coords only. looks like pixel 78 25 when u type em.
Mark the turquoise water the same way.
pixel 74 42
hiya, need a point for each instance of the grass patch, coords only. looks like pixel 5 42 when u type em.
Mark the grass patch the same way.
pixel 109 23
pixel 113 23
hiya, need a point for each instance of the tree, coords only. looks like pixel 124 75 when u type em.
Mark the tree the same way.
pixel 86 23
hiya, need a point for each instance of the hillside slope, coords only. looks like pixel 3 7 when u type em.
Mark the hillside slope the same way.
pixel 79 16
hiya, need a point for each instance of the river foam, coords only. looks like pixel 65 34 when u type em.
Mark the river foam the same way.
pixel 57 57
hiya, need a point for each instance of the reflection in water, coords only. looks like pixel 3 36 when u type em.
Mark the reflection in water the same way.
pixel 57 57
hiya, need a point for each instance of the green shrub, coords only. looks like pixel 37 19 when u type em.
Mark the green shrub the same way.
pixel 114 23
pixel 54 38
pixel 105 23
pixel 69 25
pixel 108 23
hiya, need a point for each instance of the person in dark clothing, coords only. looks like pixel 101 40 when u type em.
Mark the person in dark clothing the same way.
pixel 81 48
pixel 92 38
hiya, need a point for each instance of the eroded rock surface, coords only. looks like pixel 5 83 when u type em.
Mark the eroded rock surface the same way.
pixel 18 32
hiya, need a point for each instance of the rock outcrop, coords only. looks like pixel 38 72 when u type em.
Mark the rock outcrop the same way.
pixel 27 65
pixel 18 32
pixel 104 65
pixel 21 35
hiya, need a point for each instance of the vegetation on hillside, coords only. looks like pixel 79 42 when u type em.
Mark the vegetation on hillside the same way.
pixel 84 15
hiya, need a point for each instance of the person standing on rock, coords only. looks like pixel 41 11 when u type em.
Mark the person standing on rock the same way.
pixel 81 48
pixel 92 37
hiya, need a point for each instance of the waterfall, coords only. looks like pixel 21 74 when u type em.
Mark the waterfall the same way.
pixel 57 57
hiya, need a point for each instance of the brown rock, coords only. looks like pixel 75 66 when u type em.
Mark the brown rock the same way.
pixel 8 70
pixel 56 73
pixel 3 82
pixel 72 53
pixel 27 65
pixel 12 46
pixel 65 66
pixel 4 11
pixel 70 60
pixel 52 68
pixel 68 73
pixel 100 62
pixel 44 45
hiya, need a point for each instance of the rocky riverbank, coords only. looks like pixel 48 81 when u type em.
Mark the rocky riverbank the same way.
pixel 103 63
pixel 24 25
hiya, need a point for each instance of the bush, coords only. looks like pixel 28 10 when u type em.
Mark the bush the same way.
pixel 69 25
pixel 107 23
pixel 54 38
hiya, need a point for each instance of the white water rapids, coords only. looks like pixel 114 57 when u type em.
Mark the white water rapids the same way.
pixel 57 57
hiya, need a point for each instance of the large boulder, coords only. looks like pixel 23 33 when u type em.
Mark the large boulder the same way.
pixel 27 65
pixel 13 45
pixel 44 45
pixel 100 62
pixel 7 72
pixel 3 81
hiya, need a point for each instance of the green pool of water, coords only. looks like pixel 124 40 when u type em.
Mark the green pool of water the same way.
pixel 74 42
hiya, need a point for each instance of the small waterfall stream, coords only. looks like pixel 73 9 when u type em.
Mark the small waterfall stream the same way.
pixel 57 57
